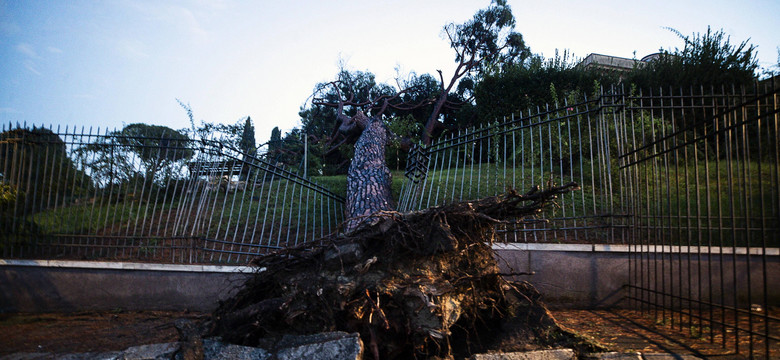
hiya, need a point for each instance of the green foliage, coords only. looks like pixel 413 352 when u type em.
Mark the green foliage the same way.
pixel 159 148
pixel 536 82
pixel 406 125
pixel 8 198
pixel 420 90
pixel 706 59
pixel 35 161
pixel 395 152
pixel 235 135
pixel 15 228
pixel 320 120
pixel 248 144
pixel 488 39
pixel 275 143
pixel 155 144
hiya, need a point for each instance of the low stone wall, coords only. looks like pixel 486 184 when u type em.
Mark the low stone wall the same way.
pixel 594 276
pixel 568 276
pixel 65 286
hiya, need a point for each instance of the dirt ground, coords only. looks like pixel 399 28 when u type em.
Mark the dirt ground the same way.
pixel 619 330
pixel 87 331
pixel 634 331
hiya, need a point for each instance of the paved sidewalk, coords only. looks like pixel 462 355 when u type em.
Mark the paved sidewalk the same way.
pixel 627 331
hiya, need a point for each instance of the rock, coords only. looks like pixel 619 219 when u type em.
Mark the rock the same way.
pixel 27 356
pixel 665 356
pixel 323 346
pixel 191 347
pixel 90 356
pixel 613 356
pixel 151 352
pixel 559 354
pixel 216 350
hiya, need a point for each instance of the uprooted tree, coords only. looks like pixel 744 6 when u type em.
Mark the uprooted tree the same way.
pixel 417 285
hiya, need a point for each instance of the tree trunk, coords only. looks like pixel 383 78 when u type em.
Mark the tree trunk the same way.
pixel 433 120
pixel 368 178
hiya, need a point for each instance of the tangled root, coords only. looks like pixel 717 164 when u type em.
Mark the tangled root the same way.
pixel 416 285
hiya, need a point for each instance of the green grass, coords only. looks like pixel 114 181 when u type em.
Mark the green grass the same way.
pixel 473 183
pixel 707 203
pixel 680 211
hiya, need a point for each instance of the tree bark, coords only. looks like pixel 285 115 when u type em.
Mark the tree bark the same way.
pixel 368 178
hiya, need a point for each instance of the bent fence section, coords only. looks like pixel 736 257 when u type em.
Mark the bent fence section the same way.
pixel 71 193
pixel 688 179
pixel 702 186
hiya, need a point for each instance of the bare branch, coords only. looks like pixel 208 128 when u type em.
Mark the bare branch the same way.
pixel 333 148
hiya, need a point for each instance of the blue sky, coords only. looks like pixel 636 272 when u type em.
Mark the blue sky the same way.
pixel 109 63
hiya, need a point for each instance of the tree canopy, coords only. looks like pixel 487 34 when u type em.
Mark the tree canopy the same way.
pixel 111 158
pixel 487 40
pixel 37 168
pixel 155 145
pixel 496 75
pixel 248 144
pixel 707 59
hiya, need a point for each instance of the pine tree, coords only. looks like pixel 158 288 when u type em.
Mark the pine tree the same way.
pixel 275 143
pixel 247 143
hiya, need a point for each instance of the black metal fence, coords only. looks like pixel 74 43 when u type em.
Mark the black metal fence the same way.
pixel 71 193
pixel 703 188
pixel 563 144
pixel 688 180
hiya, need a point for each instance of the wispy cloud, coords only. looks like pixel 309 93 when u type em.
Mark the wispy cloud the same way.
pixel 29 65
pixel 132 49
pixel 186 20
pixel 189 23
pixel 54 50
pixel 27 50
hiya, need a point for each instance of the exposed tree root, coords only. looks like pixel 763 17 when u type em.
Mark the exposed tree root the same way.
pixel 417 285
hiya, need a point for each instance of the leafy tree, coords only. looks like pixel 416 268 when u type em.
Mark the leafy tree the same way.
pixel 111 158
pixel 420 93
pixel 706 59
pixel 35 173
pixel 396 150
pixel 107 161
pixel 156 146
pixel 36 163
pixel 230 135
pixel 484 42
pixel 480 43
pixel 320 121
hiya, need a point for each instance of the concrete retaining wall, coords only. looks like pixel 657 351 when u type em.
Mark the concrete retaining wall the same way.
pixel 54 286
pixel 593 276
pixel 568 276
